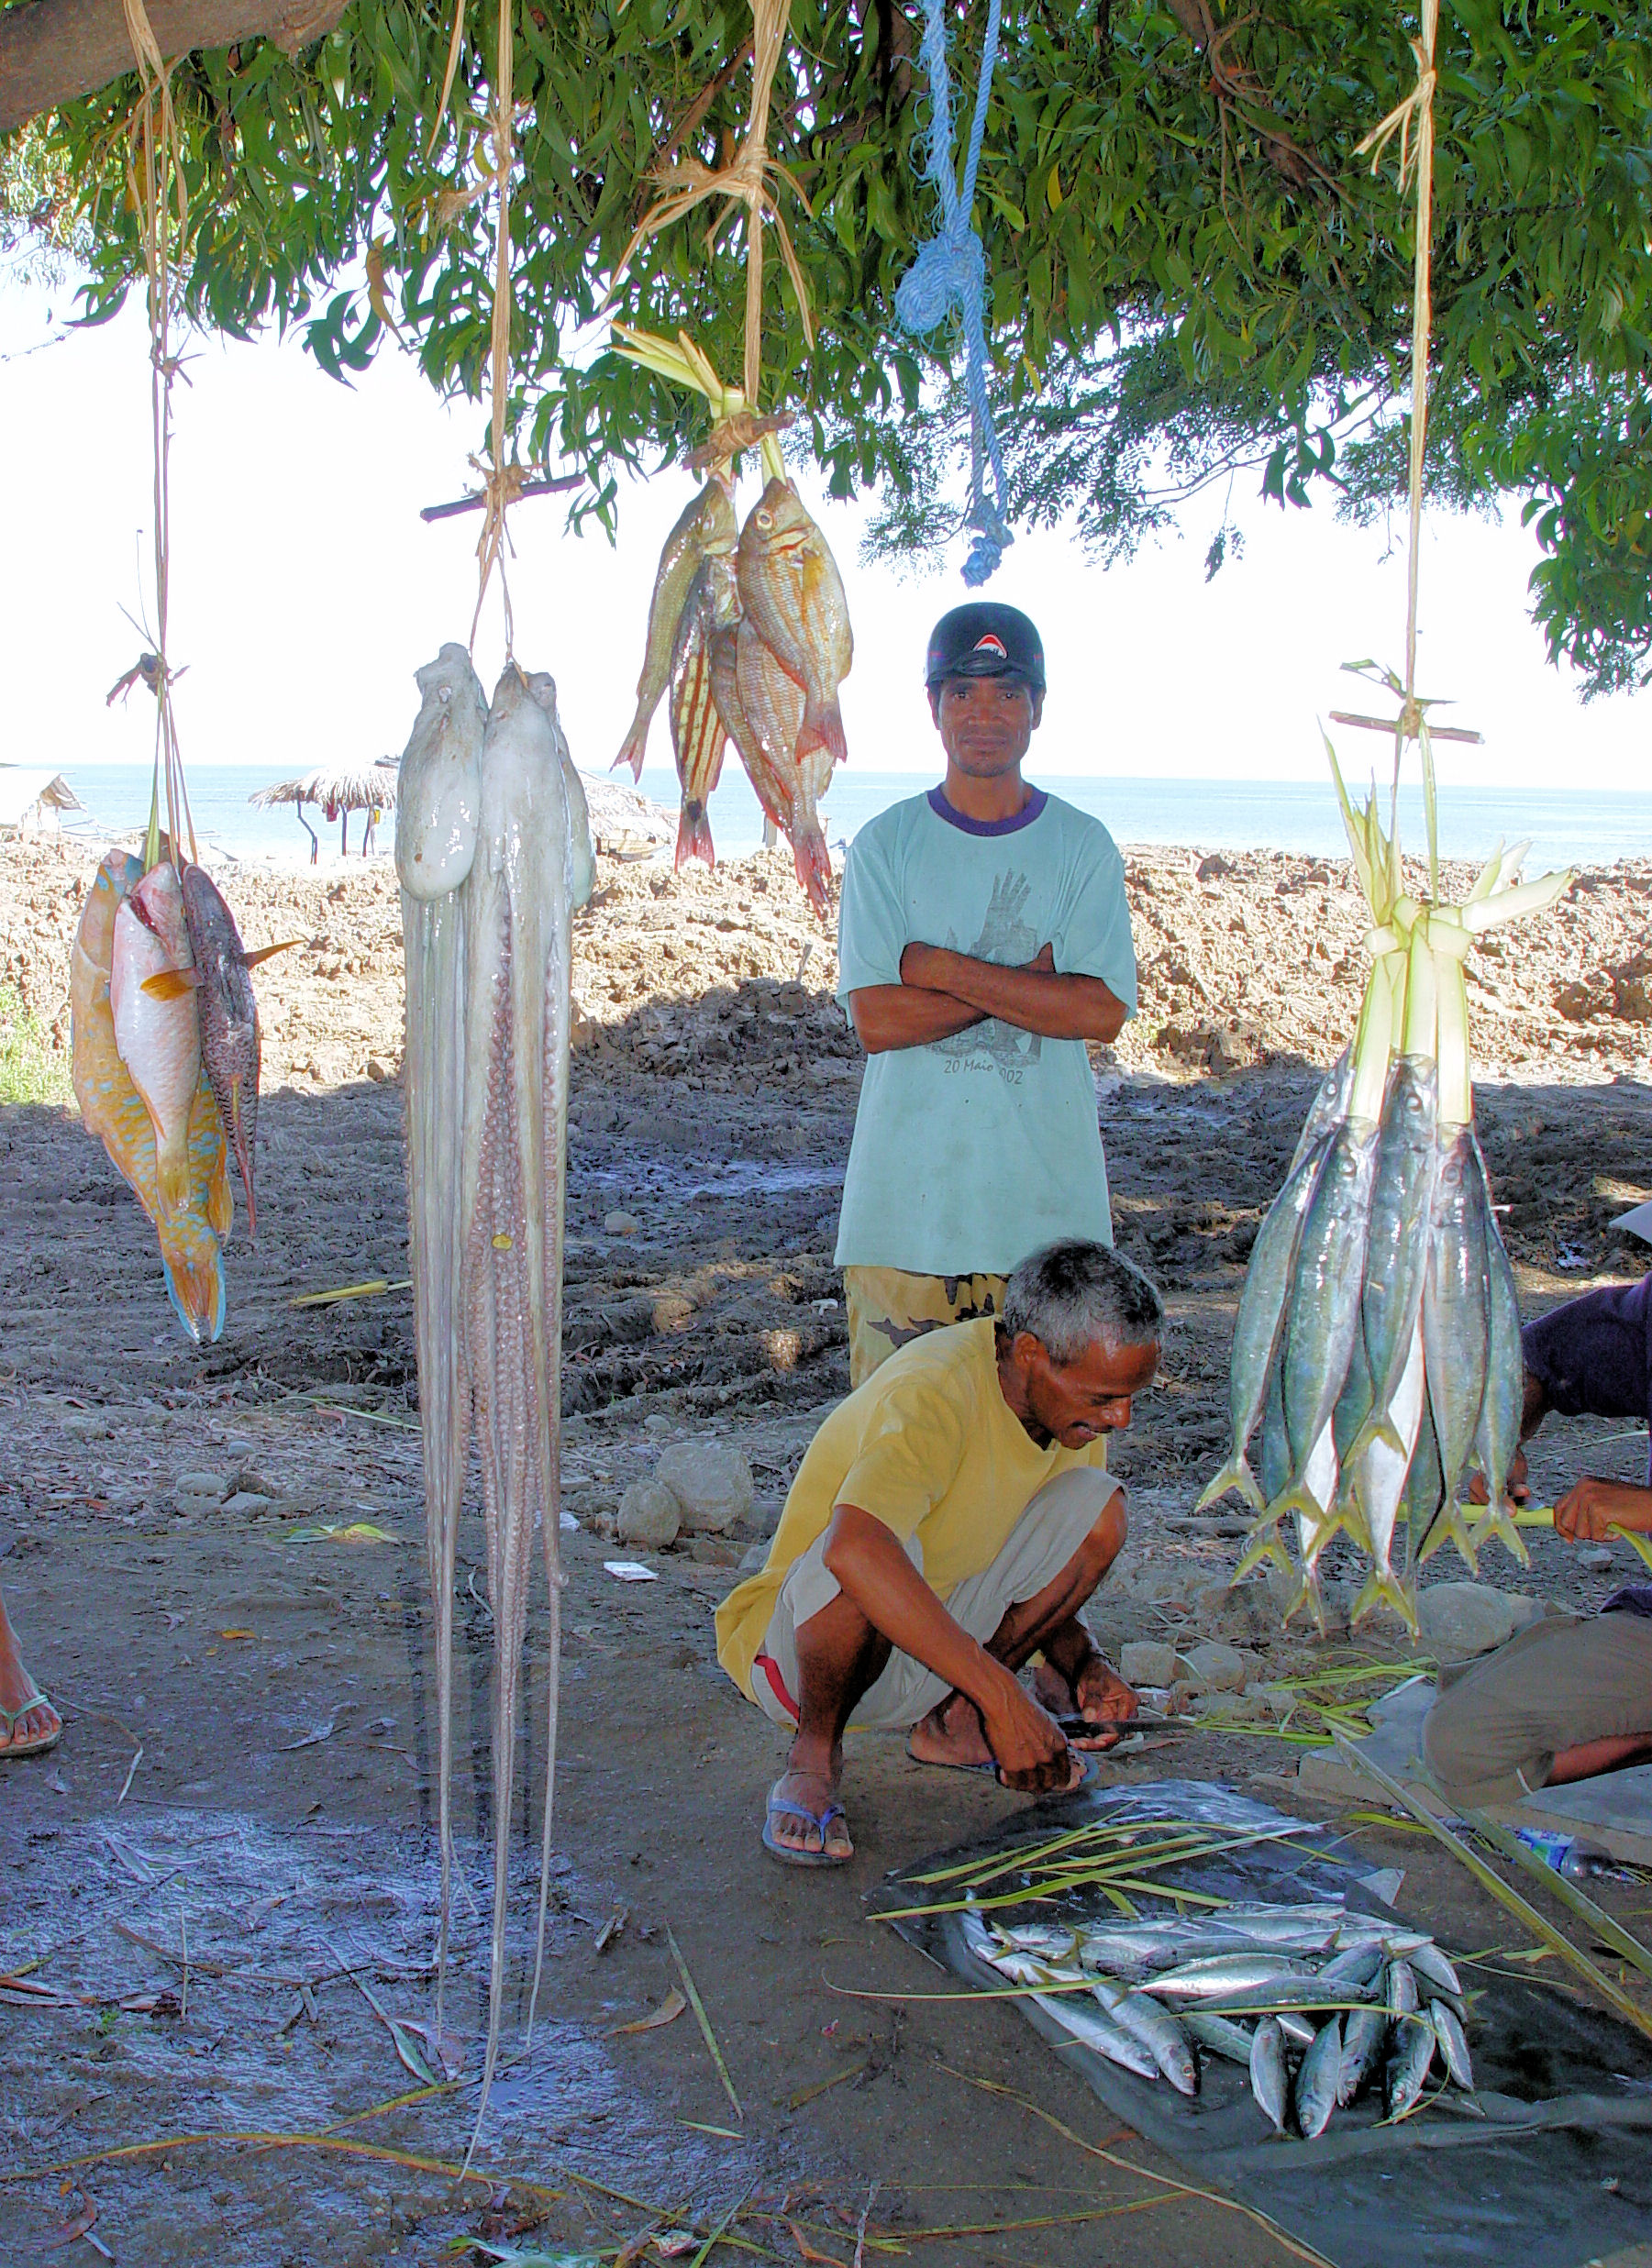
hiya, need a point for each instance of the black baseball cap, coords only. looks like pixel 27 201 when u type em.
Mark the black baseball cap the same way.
pixel 986 640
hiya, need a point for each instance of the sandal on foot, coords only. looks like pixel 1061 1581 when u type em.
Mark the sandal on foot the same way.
pixel 782 1807
pixel 36 1743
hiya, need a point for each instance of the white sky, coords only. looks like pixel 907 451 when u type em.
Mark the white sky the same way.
pixel 306 590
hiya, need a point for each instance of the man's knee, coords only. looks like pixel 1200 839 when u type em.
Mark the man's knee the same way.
pixel 1111 1528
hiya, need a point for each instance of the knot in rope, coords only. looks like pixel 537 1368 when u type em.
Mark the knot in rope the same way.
pixel 950 276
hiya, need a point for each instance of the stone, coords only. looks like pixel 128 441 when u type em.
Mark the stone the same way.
pixel 246 1505
pixel 1147 1662
pixel 1596 1557
pixel 649 1514
pixel 204 1487
pixel 251 1482
pixel 711 1482
pixel 1242 1709
pixel 378 1070
pixel 755 1557
pixel 85 1426
pixel 618 1224
pixel 1461 1619
pixel 1213 1667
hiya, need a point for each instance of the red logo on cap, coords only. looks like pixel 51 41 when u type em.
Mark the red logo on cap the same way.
pixel 991 645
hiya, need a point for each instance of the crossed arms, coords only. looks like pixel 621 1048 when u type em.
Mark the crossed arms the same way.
pixel 941 993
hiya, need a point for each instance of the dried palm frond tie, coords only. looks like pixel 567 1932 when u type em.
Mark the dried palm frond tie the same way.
pixel 155 177
pixel 745 180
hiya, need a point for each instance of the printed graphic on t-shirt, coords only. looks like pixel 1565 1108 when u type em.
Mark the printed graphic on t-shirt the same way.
pixel 1006 939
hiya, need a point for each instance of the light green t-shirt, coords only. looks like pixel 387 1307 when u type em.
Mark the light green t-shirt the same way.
pixel 973 1151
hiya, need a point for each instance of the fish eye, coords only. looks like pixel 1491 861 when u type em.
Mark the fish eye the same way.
pixel 765 519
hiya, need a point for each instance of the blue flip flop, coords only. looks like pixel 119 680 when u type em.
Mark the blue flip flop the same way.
pixel 781 1807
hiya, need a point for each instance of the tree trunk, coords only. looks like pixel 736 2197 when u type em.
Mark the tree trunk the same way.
pixel 51 50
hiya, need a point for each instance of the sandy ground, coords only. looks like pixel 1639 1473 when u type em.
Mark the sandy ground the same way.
pixel 276 1827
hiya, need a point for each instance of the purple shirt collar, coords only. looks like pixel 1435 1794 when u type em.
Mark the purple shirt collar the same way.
pixel 1031 809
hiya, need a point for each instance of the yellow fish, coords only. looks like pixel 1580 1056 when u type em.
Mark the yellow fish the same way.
pixel 116 1114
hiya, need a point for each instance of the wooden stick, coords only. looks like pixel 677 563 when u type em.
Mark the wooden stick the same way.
pixel 476 502
pixel 1393 724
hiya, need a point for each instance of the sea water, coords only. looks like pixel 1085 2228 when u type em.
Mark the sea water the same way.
pixel 1567 829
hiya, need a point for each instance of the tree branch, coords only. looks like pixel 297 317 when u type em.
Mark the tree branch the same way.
pixel 52 50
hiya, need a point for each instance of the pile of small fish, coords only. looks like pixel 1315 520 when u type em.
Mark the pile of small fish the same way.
pixel 166 1055
pixel 1377 1343
pixel 751 637
pixel 1344 1994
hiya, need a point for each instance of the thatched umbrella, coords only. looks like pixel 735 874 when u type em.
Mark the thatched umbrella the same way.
pixel 340 789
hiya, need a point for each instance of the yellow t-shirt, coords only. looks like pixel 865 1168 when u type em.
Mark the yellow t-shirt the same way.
pixel 929 1447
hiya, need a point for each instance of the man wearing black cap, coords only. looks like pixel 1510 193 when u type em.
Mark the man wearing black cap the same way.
pixel 984 937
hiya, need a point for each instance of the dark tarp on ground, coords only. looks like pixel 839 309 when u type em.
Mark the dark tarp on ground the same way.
pixel 1566 2091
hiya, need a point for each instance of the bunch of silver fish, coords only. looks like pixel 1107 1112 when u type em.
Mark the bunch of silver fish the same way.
pixel 494 851
pixel 1313 2001
pixel 750 640
pixel 1377 1347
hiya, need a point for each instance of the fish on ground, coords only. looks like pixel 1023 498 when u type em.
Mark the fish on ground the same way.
pixel 1362 2039
pixel 1155 2028
pixel 1453 2042
pixel 793 594
pixel 706 528
pixel 1410 2055
pixel 1269 2079
pixel 1316 2080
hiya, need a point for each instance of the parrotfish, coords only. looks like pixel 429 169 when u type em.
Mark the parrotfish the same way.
pixel 706 529
pixel 793 594
pixel 159 1037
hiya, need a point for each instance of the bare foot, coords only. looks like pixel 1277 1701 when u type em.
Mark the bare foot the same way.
pixel 1100 1693
pixel 951 1734
pixel 824 1832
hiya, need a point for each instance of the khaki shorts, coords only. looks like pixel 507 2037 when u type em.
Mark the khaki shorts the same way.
pixel 1493 1733
pixel 887 1307
pixel 1044 1538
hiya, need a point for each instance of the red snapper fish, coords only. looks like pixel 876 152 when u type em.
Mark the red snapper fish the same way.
pixel 793 594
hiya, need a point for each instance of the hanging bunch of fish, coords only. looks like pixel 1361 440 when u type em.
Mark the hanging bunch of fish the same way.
pixel 1377 1347
pixel 748 638
pixel 1315 2002
pixel 493 847
pixel 166 1054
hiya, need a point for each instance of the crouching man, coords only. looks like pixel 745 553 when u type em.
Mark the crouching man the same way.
pixel 1568 1697
pixel 950 1520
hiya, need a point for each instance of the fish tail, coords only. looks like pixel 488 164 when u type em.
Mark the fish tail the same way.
pixel 1450 1527
pixel 632 748
pixel 1495 1523
pixel 822 727
pixel 1263 1543
pixel 693 836
pixel 1235 1473
pixel 194 1277
pixel 1308 1594
pixel 1379 1427
pixel 814 863
pixel 1382 1587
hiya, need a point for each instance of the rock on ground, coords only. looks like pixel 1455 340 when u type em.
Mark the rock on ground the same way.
pixel 710 1482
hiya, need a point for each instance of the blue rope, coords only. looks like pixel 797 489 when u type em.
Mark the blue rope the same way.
pixel 950 271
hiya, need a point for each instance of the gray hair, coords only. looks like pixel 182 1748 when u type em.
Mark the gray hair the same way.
pixel 1073 1292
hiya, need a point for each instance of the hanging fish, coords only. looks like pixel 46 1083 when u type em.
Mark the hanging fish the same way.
pixel 773 706
pixel 706 529
pixel 227 1009
pixel 1497 1434
pixel 159 1037
pixel 699 735
pixel 1455 1329
pixel 791 588
pixel 189 1234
